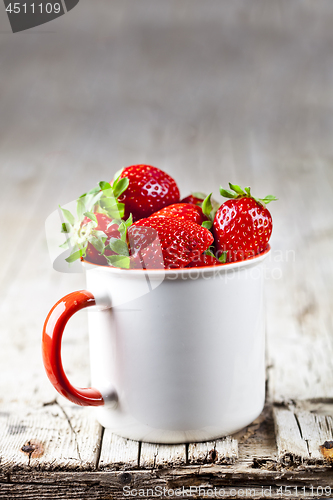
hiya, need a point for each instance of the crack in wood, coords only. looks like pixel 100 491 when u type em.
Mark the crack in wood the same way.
pixel 301 434
pixel 56 403
pixel 139 453
pixel 99 448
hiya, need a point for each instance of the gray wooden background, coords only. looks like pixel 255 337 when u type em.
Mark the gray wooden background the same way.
pixel 210 91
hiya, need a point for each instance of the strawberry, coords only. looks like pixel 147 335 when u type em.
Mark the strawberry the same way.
pixel 149 190
pixel 88 238
pixel 195 198
pixel 109 228
pixel 180 241
pixel 185 211
pixel 205 259
pixel 98 221
pixel 242 225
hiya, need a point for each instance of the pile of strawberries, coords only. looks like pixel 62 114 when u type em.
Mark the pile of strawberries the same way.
pixel 138 221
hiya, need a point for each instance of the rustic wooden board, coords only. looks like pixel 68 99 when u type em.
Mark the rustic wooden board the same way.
pixel 315 429
pixel 155 456
pixel 118 453
pixel 234 480
pixel 221 451
pixel 291 446
pixel 50 439
pixel 300 433
pixel 299 340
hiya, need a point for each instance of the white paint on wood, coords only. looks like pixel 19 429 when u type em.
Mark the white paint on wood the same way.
pixel 291 446
pixel 315 430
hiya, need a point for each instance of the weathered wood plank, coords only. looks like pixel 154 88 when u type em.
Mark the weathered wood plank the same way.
pixel 257 444
pixel 299 329
pixel 221 451
pixel 118 453
pixel 310 483
pixel 154 456
pixel 315 430
pixel 292 448
pixel 49 439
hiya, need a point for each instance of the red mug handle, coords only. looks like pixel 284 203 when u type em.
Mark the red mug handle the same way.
pixel 53 329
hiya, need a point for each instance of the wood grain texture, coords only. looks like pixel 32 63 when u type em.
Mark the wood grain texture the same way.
pixel 156 456
pixel 51 439
pixel 291 445
pixel 202 480
pixel 300 432
pixel 221 451
pixel 118 453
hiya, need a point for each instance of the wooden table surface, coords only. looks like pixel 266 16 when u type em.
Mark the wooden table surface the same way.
pixel 211 92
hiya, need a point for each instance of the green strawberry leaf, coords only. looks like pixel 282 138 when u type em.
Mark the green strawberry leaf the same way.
pixel 95 198
pixel 207 224
pixel 223 257
pixel 119 261
pixel 268 199
pixel 112 208
pixel 93 191
pixel 100 234
pixel 119 246
pixel 97 243
pixel 113 213
pixel 80 207
pixel 108 203
pixel 74 256
pixel 120 210
pixel 123 226
pixel 117 175
pixel 90 200
pixel 236 188
pixel 207 205
pixel 209 253
pixel 120 187
pixel 114 221
pixel 68 215
pixel 105 186
pixel 91 216
pixel 247 193
pixel 123 230
pixel 226 193
pixel 129 221
pixel 216 206
pixel 65 227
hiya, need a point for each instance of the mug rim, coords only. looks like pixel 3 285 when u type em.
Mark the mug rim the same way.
pixel 183 270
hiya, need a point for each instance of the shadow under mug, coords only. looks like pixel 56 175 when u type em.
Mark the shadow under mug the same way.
pixel 176 355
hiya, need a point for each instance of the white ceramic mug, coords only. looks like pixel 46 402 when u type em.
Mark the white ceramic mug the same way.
pixel 176 355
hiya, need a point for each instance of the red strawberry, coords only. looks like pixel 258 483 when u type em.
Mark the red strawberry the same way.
pixel 242 225
pixel 185 211
pixel 180 241
pixel 111 230
pixel 195 198
pixel 204 260
pixel 149 190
